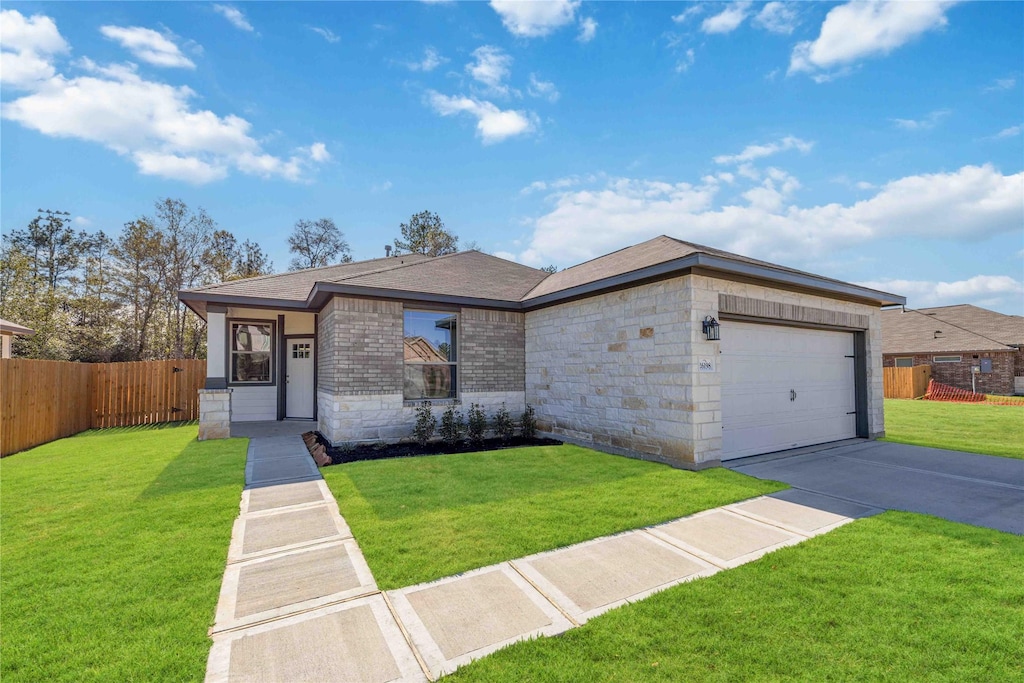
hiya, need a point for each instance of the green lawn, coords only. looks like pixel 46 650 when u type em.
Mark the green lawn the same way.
pixel 419 519
pixel 979 428
pixel 113 548
pixel 898 597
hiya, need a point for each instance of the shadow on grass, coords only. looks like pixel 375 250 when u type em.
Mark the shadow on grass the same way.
pixel 404 487
pixel 200 465
pixel 104 431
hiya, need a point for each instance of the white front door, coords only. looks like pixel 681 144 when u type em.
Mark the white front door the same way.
pixel 299 378
pixel 785 387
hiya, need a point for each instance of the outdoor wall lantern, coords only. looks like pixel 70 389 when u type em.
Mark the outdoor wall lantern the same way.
pixel 710 326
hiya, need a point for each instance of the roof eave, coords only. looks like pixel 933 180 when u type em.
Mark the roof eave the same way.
pixel 723 265
pixel 322 291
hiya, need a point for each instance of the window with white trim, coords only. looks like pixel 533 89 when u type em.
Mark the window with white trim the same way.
pixel 947 359
pixel 905 362
pixel 431 357
pixel 252 352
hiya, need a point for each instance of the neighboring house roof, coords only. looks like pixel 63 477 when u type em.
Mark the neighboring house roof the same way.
pixel 475 278
pixel 7 327
pixel 420 350
pixel 1008 329
pixel 935 331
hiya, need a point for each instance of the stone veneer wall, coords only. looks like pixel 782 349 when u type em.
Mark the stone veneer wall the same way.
pixel 214 414
pixel 360 368
pixel 620 370
pixel 615 370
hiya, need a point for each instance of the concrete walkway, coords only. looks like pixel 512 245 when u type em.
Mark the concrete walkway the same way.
pixel 299 603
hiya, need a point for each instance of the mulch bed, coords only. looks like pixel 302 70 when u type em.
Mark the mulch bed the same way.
pixel 322 451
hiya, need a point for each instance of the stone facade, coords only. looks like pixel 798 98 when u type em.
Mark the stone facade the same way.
pixel 999 381
pixel 360 368
pixel 616 371
pixel 619 370
pixel 214 414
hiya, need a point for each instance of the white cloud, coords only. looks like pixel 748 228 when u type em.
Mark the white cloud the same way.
pixel 927 123
pixel 326 33
pixel 688 13
pixel 318 152
pixel 864 185
pixel 858 30
pixel 82 222
pixel 28 46
pixel 431 60
pixel 1011 132
pixel 493 124
pixel 1001 84
pixel 153 124
pixel 491 67
pixel 728 20
pixel 543 89
pixel 777 17
pixel 971 203
pixel 588 29
pixel 507 255
pixel 751 152
pixel 148 45
pixel 235 16
pixel 528 19
pixel 685 62
pixel 381 187
pixel 982 290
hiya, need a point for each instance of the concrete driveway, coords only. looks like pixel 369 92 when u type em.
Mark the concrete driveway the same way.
pixel 982 490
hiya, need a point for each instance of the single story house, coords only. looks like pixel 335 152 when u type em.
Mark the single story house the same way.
pixel 8 331
pixel 665 350
pixel 958 342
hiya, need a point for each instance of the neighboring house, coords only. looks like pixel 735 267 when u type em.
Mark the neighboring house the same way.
pixel 8 331
pixel 954 340
pixel 612 353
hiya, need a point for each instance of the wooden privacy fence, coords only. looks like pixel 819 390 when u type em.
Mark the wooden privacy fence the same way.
pixel 43 400
pixel 906 382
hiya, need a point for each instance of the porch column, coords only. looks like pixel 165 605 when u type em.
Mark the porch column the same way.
pixel 216 347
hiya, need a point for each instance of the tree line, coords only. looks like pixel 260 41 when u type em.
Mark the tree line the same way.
pixel 94 297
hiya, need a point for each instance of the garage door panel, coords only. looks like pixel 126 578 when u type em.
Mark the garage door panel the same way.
pixel 761 364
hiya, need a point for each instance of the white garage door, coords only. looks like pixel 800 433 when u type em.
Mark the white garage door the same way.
pixel 784 387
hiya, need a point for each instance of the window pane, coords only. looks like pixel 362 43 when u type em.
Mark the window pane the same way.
pixel 430 337
pixel 250 367
pixel 904 362
pixel 250 337
pixel 429 381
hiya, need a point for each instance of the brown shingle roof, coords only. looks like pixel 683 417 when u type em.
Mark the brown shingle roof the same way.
pixel 650 253
pixel 467 273
pixel 1008 329
pixel 915 331
pixel 295 285
pixel 475 275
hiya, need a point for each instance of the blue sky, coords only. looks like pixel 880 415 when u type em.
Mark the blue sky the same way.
pixel 878 143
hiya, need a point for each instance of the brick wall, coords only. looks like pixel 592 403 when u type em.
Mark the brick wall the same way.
pixel 493 352
pixel 999 381
pixel 360 347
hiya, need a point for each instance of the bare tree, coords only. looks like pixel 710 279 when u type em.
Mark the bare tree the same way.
pixel 317 243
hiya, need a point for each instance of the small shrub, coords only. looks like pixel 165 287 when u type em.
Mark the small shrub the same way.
pixel 452 426
pixel 528 423
pixel 426 423
pixel 477 424
pixel 502 425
